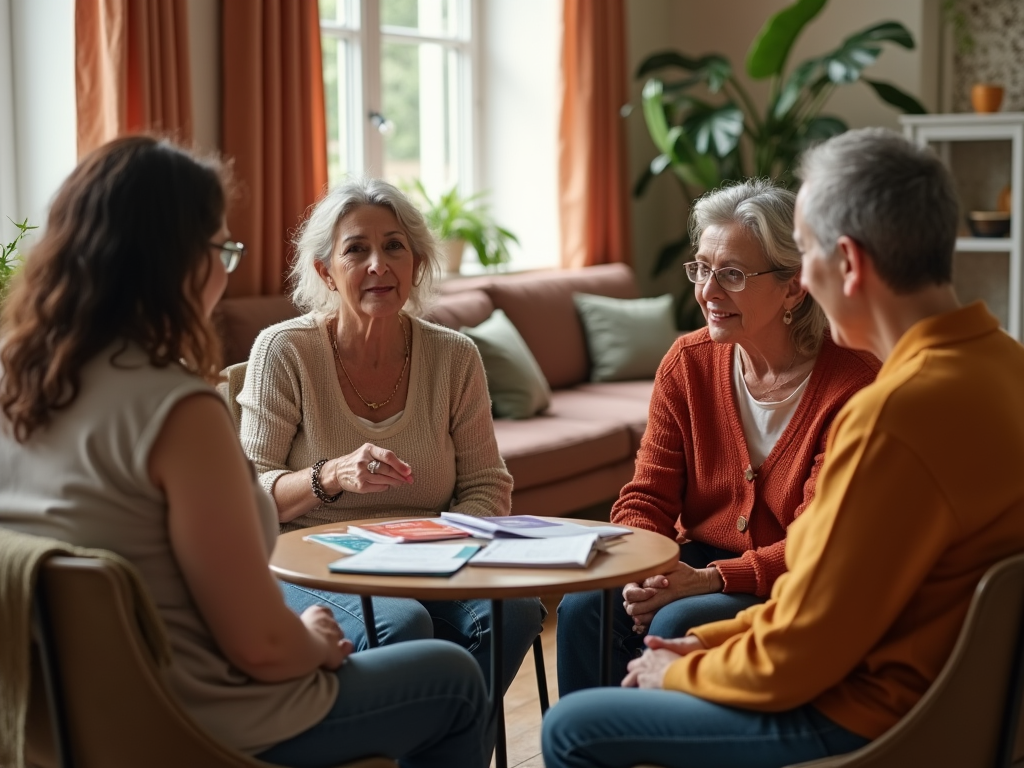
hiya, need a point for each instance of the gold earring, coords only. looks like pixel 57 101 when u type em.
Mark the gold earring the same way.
pixel 787 317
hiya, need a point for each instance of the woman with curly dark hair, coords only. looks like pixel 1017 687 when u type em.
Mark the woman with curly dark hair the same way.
pixel 112 436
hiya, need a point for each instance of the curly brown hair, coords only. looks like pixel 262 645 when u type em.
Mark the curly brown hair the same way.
pixel 123 259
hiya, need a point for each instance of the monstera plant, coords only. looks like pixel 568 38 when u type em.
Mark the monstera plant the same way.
pixel 705 142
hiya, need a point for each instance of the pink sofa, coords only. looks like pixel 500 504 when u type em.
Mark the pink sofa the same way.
pixel 581 450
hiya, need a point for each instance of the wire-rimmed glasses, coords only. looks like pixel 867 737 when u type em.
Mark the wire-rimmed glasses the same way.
pixel 730 278
pixel 230 252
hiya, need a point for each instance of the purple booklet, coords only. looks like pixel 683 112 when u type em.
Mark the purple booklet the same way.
pixel 527 526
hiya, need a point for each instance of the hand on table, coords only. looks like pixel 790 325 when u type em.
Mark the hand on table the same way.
pixel 352 473
pixel 321 624
pixel 649 670
pixel 642 601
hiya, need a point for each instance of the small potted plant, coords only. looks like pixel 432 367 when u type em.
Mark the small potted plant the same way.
pixel 9 257
pixel 457 221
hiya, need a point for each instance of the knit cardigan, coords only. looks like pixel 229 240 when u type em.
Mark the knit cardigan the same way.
pixel 694 480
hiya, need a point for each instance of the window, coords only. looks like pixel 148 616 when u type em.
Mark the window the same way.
pixel 398 81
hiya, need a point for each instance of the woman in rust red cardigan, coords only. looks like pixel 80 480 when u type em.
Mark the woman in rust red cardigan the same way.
pixel 738 422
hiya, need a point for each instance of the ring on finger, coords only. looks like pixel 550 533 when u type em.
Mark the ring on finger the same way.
pixel 373 466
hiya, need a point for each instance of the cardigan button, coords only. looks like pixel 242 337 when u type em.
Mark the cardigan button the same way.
pixel 749 474
pixel 741 524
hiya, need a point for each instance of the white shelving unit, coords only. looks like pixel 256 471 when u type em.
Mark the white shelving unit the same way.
pixel 942 131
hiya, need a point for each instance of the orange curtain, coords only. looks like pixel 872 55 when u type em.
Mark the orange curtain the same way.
pixel 132 70
pixel 593 186
pixel 274 129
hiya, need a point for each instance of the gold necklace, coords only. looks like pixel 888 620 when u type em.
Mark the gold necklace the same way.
pixel 405 365
pixel 777 384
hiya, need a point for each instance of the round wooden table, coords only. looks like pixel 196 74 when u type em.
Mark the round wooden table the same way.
pixel 629 558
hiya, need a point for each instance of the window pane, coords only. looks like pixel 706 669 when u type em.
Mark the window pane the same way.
pixel 419 96
pixel 336 100
pixel 342 12
pixel 429 17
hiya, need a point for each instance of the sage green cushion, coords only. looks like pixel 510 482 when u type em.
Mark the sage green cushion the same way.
pixel 626 338
pixel 518 388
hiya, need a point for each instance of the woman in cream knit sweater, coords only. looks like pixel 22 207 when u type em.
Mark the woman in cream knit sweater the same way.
pixel 358 409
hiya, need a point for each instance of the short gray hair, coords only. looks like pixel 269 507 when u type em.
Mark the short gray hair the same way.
pixel 893 197
pixel 765 210
pixel 316 239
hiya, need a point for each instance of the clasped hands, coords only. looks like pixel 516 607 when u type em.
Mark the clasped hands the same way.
pixel 649 670
pixel 321 625
pixel 642 601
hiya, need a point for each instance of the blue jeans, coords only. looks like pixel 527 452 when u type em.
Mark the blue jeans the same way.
pixel 623 727
pixel 423 703
pixel 579 624
pixel 466 623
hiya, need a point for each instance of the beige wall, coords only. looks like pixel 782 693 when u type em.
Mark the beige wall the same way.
pixel 204 53
pixel 697 27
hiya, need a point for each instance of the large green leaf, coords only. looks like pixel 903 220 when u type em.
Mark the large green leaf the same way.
pixel 890 94
pixel 691 166
pixel 667 59
pixel 716 130
pixel 859 50
pixel 795 84
pixel 770 49
pixel 654 114
pixel 823 127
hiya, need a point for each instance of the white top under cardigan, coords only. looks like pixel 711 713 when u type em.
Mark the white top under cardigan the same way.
pixel 763 421
pixel 84 479
pixel 294 413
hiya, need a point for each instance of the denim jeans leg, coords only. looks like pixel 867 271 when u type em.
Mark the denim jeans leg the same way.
pixel 679 617
pixel 468 624
pixel 421 701
pixel 578 641
pixel 619 728
pixel 397 619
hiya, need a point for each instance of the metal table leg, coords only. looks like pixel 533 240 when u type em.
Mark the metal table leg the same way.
pixel 497 682
pixel 607 606
pixel 369 621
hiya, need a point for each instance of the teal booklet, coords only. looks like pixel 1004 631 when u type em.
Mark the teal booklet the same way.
pixel 407 559
pixel 346 543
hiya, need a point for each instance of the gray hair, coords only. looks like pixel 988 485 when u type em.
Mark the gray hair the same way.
pixel 893 197
pixel 765 210
pixel 317 235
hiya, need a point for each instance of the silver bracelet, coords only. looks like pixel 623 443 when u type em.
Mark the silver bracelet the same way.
pixel 318 490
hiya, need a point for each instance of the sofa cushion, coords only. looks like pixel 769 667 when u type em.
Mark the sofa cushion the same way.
pixel 633 390
pixel 454 310
pixel 626 338
pixel 516 385
pixel 540 306
pixel 579 404
pixel 545 448
pixel 239 321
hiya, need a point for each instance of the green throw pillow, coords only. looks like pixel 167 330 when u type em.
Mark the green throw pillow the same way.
pixel 518 388
pixel 627 338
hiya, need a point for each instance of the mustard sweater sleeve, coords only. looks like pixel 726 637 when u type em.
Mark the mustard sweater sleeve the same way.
pixel 856 557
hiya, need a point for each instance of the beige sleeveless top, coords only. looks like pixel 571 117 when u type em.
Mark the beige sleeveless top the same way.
pixel 84 479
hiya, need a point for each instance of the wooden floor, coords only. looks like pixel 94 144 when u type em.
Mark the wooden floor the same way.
pixel 522 710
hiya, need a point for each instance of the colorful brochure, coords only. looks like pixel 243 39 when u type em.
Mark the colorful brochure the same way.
pixel 346 543
pixel 528 526
pixel 414 529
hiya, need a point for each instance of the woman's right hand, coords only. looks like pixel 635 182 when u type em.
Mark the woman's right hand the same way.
pixel 322 626
pixel 352 474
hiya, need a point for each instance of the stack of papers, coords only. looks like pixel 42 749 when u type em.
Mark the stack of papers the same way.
pixel 563 552
pixel 408 560
pixel 528 527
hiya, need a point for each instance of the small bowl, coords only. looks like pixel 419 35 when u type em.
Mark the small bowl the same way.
pixel 989 223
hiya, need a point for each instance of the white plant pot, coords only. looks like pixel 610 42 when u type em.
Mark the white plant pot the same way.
pixel 452 252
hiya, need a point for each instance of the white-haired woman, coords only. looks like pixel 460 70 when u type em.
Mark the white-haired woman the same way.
pixel 359 409
pixel 739 417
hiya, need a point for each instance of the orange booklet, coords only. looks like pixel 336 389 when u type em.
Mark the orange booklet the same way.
pixel 415 529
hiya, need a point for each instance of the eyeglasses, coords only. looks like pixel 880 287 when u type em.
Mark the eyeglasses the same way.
pixel 231 253
pixel 730 278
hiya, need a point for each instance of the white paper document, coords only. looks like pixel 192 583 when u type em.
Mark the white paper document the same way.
pixel 407 559
pixel 563 552
pixel 528 527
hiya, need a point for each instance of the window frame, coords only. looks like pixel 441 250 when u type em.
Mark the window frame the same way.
pixel 364 97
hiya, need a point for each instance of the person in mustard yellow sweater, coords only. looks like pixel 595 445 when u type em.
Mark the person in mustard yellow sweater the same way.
pixel 739 416
pixel 920 493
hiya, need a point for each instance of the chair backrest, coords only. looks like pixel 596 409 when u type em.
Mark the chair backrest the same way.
pixel 229 390
pixel 109 704
pixel 970 716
